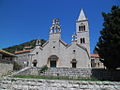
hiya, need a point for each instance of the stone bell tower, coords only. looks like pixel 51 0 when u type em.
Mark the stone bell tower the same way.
pixel 82 31
pixel 55 30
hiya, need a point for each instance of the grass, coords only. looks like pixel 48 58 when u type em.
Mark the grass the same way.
pixel 54 77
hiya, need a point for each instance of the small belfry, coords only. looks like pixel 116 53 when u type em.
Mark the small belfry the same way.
pixel 82 31
pixel 55 28
pixel 38 42
pixel 74 37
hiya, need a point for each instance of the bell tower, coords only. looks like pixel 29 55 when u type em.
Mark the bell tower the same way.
pixel 55 30
pixel 82 31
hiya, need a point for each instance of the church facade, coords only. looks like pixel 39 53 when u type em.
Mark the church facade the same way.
pixel 56 53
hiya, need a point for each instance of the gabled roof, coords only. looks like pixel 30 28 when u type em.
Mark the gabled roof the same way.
pixel 45 43
pixel 7 53
pixel 65 44
pixel 83 49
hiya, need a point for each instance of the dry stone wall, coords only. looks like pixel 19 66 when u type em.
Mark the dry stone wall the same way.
pixel 40 84
pixel 5 68
pixel 69 72
pixel 100 74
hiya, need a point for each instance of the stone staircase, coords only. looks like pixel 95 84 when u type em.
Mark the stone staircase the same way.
pixel 27 71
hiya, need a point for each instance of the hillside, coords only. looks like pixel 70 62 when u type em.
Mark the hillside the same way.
pixel 19 47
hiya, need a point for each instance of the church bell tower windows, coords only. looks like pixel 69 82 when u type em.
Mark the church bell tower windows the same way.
pixel 82 40
pixel 82 28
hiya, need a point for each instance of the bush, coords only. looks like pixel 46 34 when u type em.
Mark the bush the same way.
pixel 43 68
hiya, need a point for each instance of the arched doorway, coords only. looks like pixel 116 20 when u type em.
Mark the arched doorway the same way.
pixel 53 61
pixel 74 62
pixel 34 63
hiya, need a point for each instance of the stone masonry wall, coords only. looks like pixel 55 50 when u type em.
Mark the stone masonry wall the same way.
pixel 40 84
pixel 69 72
pixel 5 68
pixel 100 74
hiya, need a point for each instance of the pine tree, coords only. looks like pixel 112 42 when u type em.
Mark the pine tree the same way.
pixel 108 46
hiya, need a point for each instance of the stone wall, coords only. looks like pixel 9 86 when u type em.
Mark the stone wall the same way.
pixel 100 74
pixel 5 68
pixel 40 84
pixel 69 72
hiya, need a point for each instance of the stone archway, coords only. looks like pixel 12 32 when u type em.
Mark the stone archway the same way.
pixel 53 61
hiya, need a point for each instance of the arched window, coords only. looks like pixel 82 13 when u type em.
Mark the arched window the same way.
pixel 82 28
pixel 82 40
pixel 34 63
pixel 74 62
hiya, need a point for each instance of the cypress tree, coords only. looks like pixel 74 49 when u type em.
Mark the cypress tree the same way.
pixel 108 46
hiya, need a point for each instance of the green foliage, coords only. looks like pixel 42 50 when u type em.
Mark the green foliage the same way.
pixel 108 46
pixel 16 66
pixel 43 68
pixel 19 47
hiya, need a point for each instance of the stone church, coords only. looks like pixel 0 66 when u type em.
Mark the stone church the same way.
pixel 56 53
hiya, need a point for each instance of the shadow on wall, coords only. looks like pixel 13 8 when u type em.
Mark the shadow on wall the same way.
pixel 103 74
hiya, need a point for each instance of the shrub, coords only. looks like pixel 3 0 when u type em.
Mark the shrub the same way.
pixel 43 68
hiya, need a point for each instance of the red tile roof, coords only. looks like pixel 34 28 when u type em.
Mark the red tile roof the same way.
pixel 94 55
pixel 5 52
pixel 27 47
pixel 23 51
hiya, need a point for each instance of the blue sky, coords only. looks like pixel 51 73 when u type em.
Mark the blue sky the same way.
pixel 25 20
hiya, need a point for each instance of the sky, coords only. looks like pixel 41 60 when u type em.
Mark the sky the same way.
pixel 25 20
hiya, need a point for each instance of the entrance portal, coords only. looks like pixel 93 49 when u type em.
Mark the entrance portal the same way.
pixel 52 63
pixel 53 60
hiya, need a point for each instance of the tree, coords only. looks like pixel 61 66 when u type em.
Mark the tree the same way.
pixel 108 46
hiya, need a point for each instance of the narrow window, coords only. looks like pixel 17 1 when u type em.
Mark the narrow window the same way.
pixel 83 40
pixel 84 28
pixel 79 28
pixel 92 63
pixel 36 52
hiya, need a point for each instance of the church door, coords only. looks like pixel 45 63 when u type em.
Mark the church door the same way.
pixel 52 63
pixel 53 60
